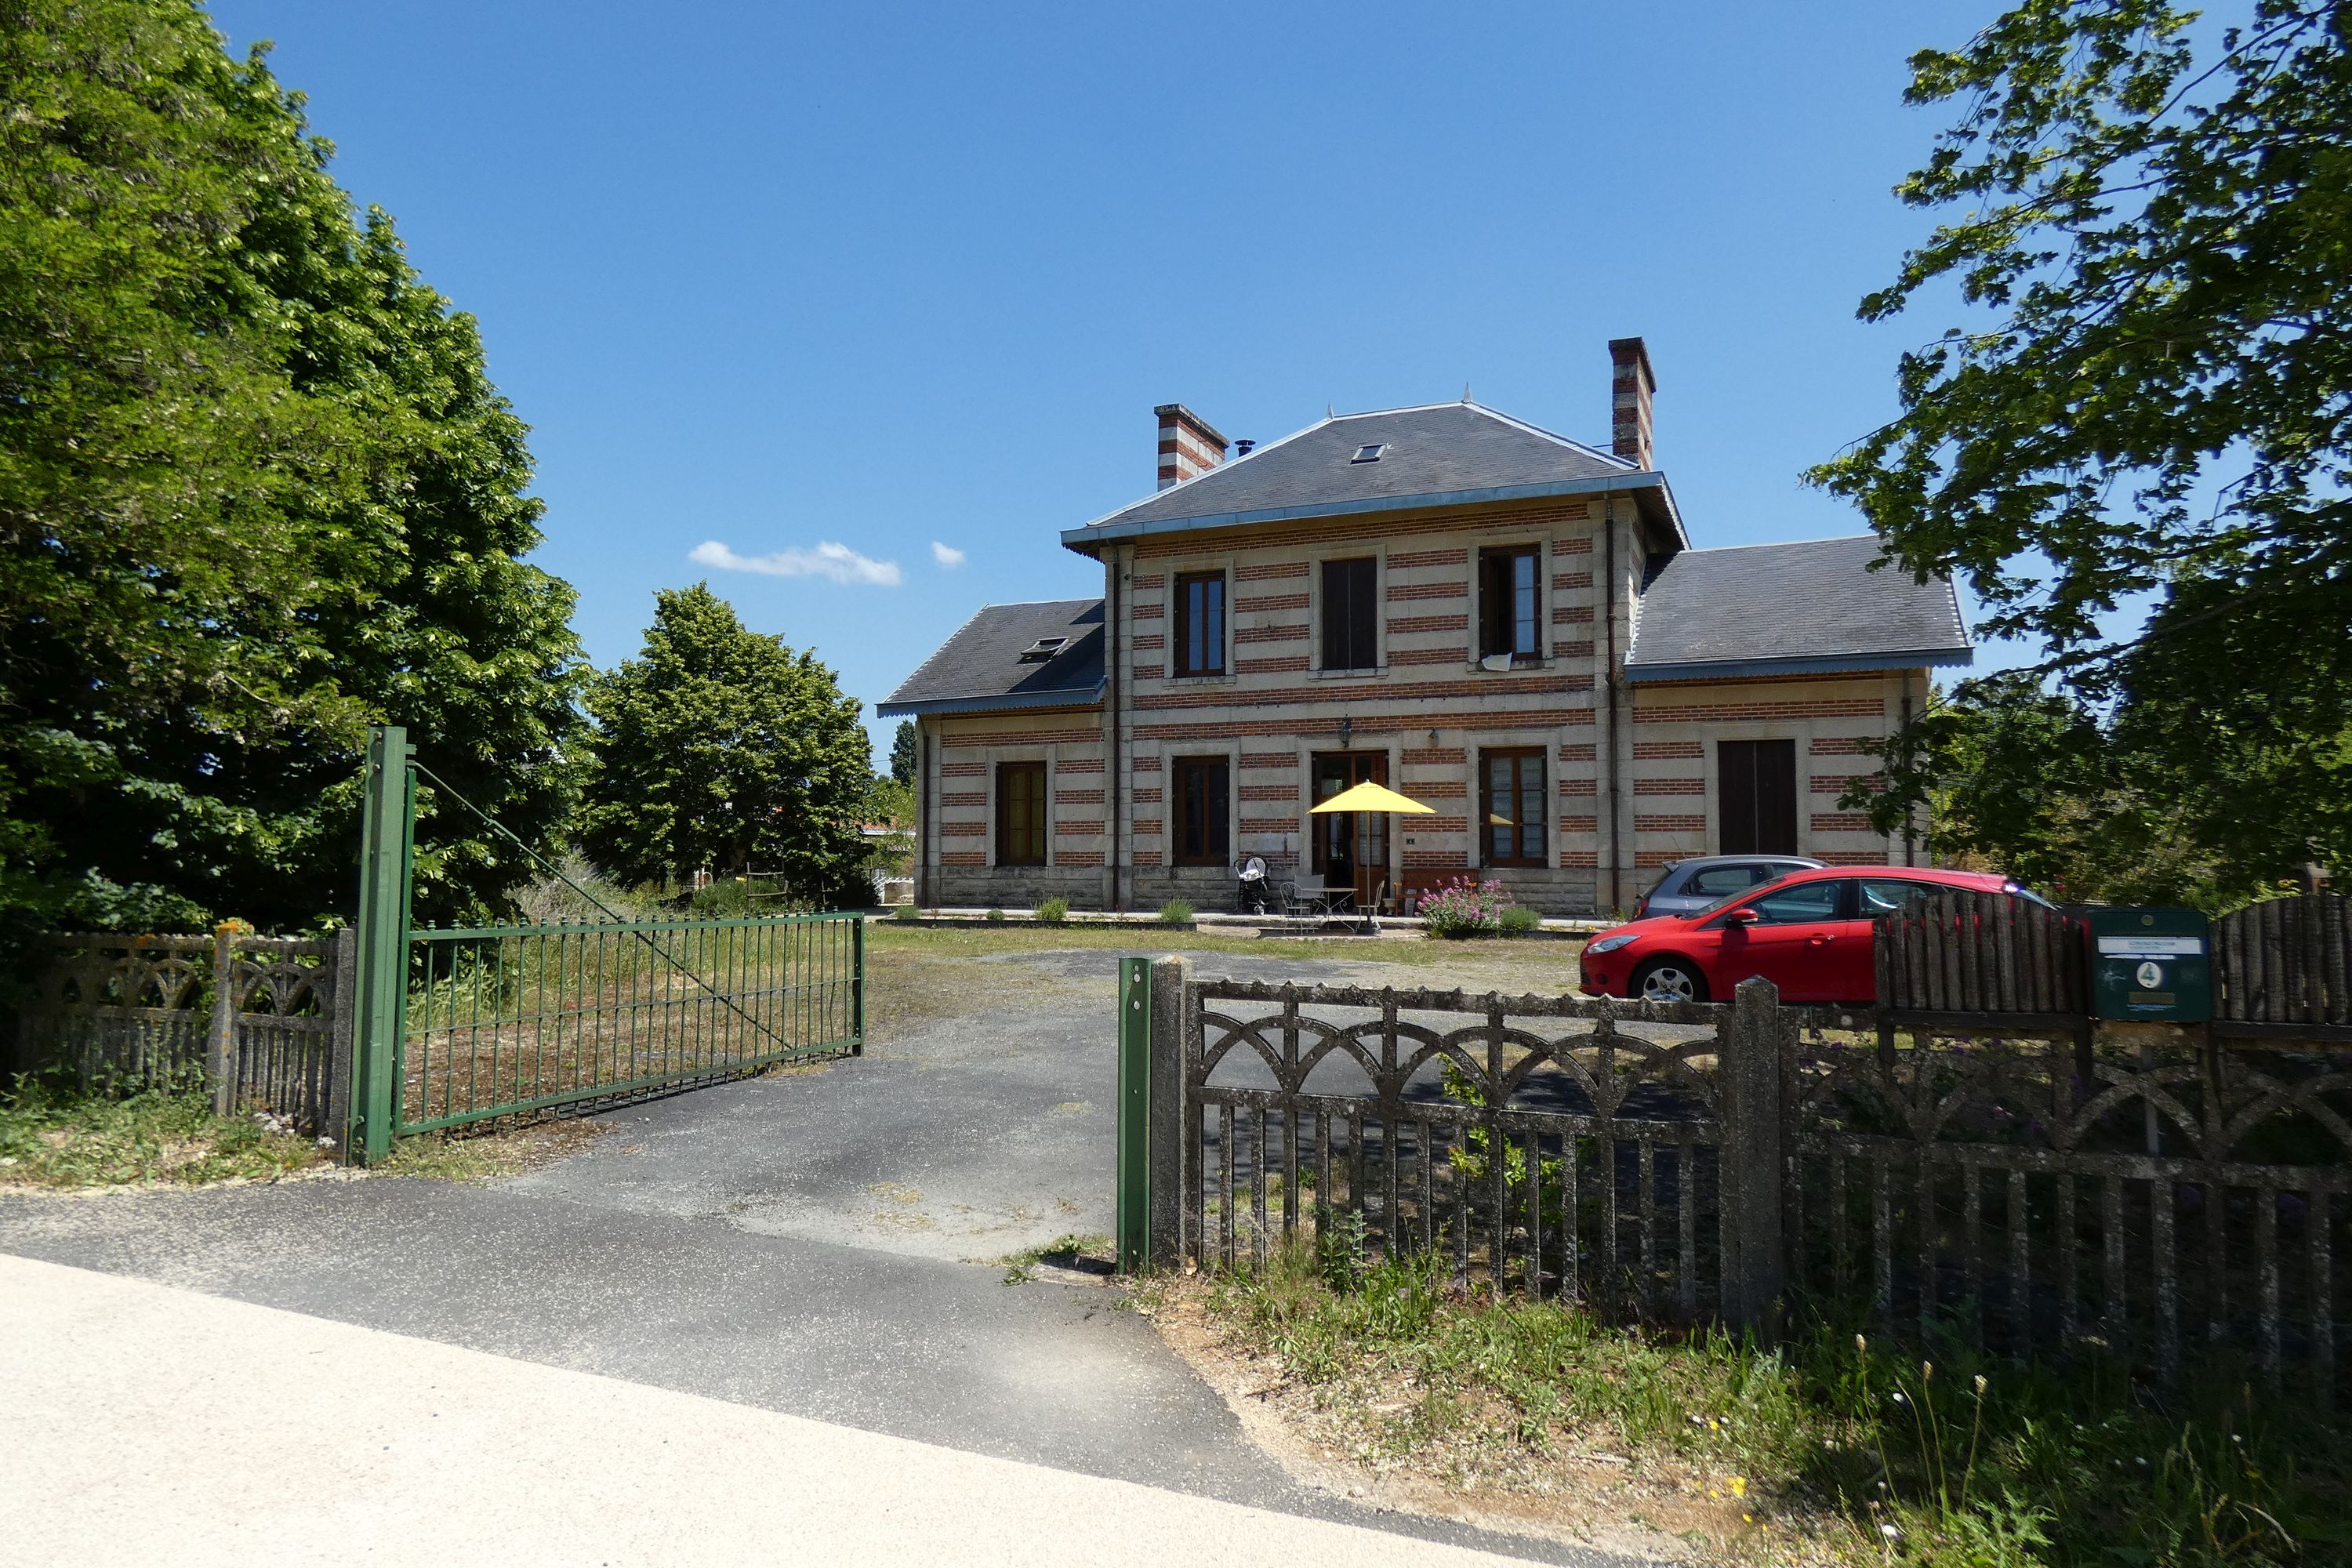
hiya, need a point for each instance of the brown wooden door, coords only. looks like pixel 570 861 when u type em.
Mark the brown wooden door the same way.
pixel 1353 846
pixel 1756 793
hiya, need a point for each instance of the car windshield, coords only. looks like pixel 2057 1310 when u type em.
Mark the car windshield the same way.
pixel 1728 900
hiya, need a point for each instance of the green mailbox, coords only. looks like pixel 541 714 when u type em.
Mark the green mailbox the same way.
pixel 2151 964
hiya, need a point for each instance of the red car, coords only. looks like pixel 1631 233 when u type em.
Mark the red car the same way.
pixel 1809 934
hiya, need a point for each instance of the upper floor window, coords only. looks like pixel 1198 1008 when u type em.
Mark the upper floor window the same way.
pixel 1350 615
pixel 1510 603
pixel 1201 623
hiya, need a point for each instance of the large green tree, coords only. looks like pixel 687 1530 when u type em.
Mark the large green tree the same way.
pixel 256 491
pixel 906 752
pixel 2145 401
pixel 721 749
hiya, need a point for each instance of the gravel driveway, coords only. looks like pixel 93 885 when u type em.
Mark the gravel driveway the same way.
pixel 825 1242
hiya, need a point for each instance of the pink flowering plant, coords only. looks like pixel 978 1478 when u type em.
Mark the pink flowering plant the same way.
pixel 1464 906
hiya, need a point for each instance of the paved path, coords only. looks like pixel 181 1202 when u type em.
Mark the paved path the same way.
pixel 144 1424
pixel 796 1245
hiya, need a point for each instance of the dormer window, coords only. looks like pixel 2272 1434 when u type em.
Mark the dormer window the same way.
pixel 1370 453
pixel 1043 649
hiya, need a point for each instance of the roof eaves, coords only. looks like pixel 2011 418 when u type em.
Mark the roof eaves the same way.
pixel 1066 696
pixel 1084 539
pixel 1818 664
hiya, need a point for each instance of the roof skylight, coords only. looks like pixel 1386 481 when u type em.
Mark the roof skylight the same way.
pixel 1370 453
pixel 1044 648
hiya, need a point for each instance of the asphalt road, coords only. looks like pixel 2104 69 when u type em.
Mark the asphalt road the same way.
pixel 825 1245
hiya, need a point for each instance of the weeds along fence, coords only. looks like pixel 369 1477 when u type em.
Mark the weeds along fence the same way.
pixel 2180 1206
pixel 501 1020
pixel 259 1018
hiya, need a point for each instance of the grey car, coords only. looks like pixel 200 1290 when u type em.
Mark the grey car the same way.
pixel 1697 882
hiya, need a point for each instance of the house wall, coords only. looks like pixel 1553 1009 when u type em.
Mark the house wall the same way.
pixel 1428 708
pixel 959 842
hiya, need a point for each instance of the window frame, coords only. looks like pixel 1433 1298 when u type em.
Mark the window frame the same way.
pixel 1213 644
pixel 1369 654
pixel 1507 617
pixel 1007 830
pixel 1216 816
pixel 1521 758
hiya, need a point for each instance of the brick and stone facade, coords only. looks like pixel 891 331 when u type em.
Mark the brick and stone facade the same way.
pixel 1628 752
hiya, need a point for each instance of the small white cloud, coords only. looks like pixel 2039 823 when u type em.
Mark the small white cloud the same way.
pixel 947 555
pixel 837 561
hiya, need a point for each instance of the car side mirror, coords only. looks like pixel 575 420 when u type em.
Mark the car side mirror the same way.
pixel 1740 918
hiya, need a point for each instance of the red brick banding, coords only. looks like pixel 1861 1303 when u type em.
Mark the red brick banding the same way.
pixel 1288 631
pixel 1577 824
pixel 1328 534
pixel 1150 671
pixel 1406 724
pixel 1427 789
pixel 1561 582
pixel 963 770
pixel 1265 602
pixel 1577 789
pixel 1145 796
pixel 1577 751
pixel 1022 738
pixel 1838 783
pixel 1269 760
pixel 1079 765
pixel 1150 612
pixel 1147 827
pixel 1578 860
pixel 1077 857
pixel 1669 823
pixel 1662 750
pixel 1149 642
pixel 1733 712
pixel 1434 757
pixel 1403 559
pixel 1409 625
pixel 964 798
pixel 1383 692
pixel 1283 664
pixel 1147 583
pixel 1579 545
pixel 963 857
pixel 1669 786
pixel 1146 856
pixel 1287 794
pixel 1269 824
pixel 1840 821
pixel 1423 655
pixel 1571 614
pixel 1082 829
pixel 1842 746
pixel 1078 797
pixel 1400 592
pixel 1571 650
pixel 1269 571
pixel 963 830
pixel 1147 764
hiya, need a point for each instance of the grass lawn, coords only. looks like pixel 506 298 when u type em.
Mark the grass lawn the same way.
pixel 1826 1450
pixel 916 973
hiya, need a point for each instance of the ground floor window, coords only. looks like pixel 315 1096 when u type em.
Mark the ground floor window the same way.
pixel 1021 814
pixel 1203 811
pixel 1512 796
pixel 1755 797
pixel 1350 849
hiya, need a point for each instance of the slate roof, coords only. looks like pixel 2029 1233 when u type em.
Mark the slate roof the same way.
pixel 979 670
pixel 1777 609
pixel 1441 454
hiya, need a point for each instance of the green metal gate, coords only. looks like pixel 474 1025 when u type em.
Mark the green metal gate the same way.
pixel 463 1025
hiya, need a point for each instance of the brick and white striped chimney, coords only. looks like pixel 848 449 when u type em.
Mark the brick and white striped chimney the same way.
pixel 1188 446
pixel 1630 384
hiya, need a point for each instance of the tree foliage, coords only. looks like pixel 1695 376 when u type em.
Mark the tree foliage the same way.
pixel 721 749
pixel 256 491
pixel 2149 231
pixel 906 752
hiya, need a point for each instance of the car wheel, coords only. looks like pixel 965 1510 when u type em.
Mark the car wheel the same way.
pixel 1668 980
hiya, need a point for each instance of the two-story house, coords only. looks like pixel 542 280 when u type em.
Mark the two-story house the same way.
pixel 1504 623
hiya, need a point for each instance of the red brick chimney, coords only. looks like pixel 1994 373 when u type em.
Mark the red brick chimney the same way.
pixel 1188 446
pixel 1630 384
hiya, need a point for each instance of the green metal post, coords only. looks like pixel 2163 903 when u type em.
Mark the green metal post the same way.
pixel 386 843
pixel 858 957
pixel 1134 1222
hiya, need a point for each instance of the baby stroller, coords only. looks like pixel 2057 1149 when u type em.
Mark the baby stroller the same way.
pixel 1256 894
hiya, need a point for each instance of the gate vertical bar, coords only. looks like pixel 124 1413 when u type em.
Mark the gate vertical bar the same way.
pixel 857 958
pixel 385 842
pixel 1134 1111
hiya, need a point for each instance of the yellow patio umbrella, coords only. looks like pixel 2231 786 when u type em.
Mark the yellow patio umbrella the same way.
pixel 1370 797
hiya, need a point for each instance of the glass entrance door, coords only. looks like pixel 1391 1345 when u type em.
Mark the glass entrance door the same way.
pixel 1352 848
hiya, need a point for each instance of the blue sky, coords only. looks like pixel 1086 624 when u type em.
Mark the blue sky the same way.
pixel 881 277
